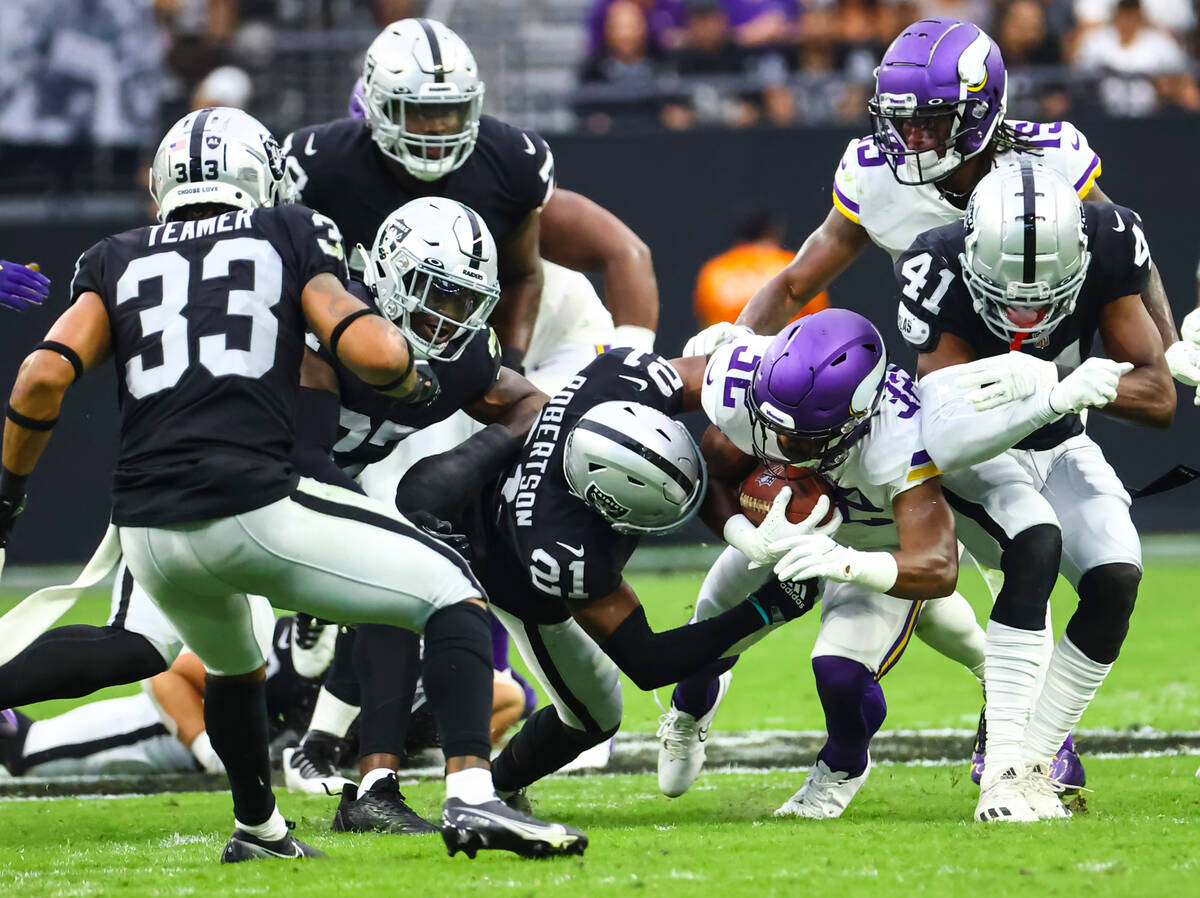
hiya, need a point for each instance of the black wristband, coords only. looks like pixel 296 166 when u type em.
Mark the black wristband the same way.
pixel 511 357
pixel 30 423
pixel 66 352
pixel 12 486
pixel 340 327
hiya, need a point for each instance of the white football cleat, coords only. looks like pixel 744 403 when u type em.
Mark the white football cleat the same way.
pixel 825 793
pixel 681 736
pixel 313 772
pixel 1043 794
pixel 1002 797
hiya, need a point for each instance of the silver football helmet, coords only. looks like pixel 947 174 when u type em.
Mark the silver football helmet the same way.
pixel 1026 252
pixel 434 271
pixel 220 155
pixel 634 466
pixel 422 97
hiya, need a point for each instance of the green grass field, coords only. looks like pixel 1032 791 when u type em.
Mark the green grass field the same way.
pixel 909 830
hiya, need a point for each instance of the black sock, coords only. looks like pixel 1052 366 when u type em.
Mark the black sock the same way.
pixel 542 746
pixel 1030 565
pixel 457 671
pixel 235 714
pixel 69 662
pixel 387 661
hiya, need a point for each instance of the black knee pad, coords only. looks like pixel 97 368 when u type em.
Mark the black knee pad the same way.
pixel 1030 565
pixel 1106 598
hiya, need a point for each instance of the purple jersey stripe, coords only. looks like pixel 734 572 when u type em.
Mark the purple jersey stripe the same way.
pixel 1087 174
pixel 920 458
pixel 845 200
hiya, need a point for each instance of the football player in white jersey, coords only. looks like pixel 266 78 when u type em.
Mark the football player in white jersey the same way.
pixel 821 394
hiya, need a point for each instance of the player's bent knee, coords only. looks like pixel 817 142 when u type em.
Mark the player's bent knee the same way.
pixel 1030 564
pixel 1107 595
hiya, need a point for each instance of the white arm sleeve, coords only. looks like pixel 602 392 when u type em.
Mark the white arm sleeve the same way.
pixel 957 436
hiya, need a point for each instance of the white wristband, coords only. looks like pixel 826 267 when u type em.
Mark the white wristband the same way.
pixel 875 570
pixel 202 750
pixel 635 336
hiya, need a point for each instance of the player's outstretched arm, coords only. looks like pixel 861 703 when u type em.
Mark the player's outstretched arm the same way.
pixel 1154 296
pixel 365 342
pixel 1146 395
pixel 584 236
pixel 618 625
pixel 826 253
pixel 78 342
pixel 520 291
pixel 512 402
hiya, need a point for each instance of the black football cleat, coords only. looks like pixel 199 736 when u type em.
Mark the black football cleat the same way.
pixel 380 809
pixel 244 847
pixel 493 825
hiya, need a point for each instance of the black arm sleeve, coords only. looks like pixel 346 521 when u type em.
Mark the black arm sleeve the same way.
pixel 316 432
pixel 654 659
pixel 444 484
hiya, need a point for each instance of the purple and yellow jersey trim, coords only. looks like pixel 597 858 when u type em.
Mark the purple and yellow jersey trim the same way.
pixel 901 643
pixel 845 205
pixel 1084 185
pixel 922 467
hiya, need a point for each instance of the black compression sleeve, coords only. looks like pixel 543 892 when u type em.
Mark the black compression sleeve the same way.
pixel 654 659
pixel 316 432
pixel 443 484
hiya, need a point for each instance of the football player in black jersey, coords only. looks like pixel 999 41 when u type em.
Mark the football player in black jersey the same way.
pixel 432 270
pixel 604 464
pixel 205 315
pixel 1000 305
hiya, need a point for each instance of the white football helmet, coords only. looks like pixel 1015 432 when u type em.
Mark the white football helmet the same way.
pixel 636 467
pixel 422 96
pixel 1026 252
pixel 220 155
pixel 434 272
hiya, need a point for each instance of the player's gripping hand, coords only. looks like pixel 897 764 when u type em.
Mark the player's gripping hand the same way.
pixel 1183 359
pixel 1005 378
pixel 779 601
pixel 755 542
pixel 9 509
pixel 443 531
pixel 707 341
pixel 1092 385
pixel 20 286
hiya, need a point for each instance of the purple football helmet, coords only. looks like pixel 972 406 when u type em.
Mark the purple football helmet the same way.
pixel 816 387
pixel 358 101
pixel 943 76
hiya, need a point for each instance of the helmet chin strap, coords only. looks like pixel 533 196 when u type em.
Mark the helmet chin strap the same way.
pixel 1015 345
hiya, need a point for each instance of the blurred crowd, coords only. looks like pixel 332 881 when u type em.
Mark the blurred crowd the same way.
pixel 736 63
pixel 110 72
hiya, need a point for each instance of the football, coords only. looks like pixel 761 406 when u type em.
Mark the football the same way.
pixel 759 490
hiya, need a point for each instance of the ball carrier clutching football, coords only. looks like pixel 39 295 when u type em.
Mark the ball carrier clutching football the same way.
pixel 205 316
pixel 604 464
pixel 939 112
pixel 1003 308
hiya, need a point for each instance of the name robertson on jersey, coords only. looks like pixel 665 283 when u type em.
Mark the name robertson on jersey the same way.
pixel 176 231
pixel 543 439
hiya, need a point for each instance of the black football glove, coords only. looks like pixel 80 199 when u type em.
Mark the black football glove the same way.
pixel 779 601
pixel 9 509
pixel 441 530
pixel 427 390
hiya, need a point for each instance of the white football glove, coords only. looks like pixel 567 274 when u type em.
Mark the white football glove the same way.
pixel 1183 359
pixel 635 336
pixel 817 555
pixel 1189 329
pixel 1004 378
pixel 1092 385
pixel 707 341
pixel 755 542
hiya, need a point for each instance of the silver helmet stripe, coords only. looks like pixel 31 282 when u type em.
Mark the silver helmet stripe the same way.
pixel 623 439
pixel 196 146
pixel 476 238
pixel 1029 196
pixel 435 50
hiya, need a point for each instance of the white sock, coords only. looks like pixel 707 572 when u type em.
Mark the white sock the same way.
pixel 273 830
pixel 472 785
pixel 332 715
pixel 1071 684
pixel 1047 651
pixel 374 775
pixel 1013 659
pixel 949 627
